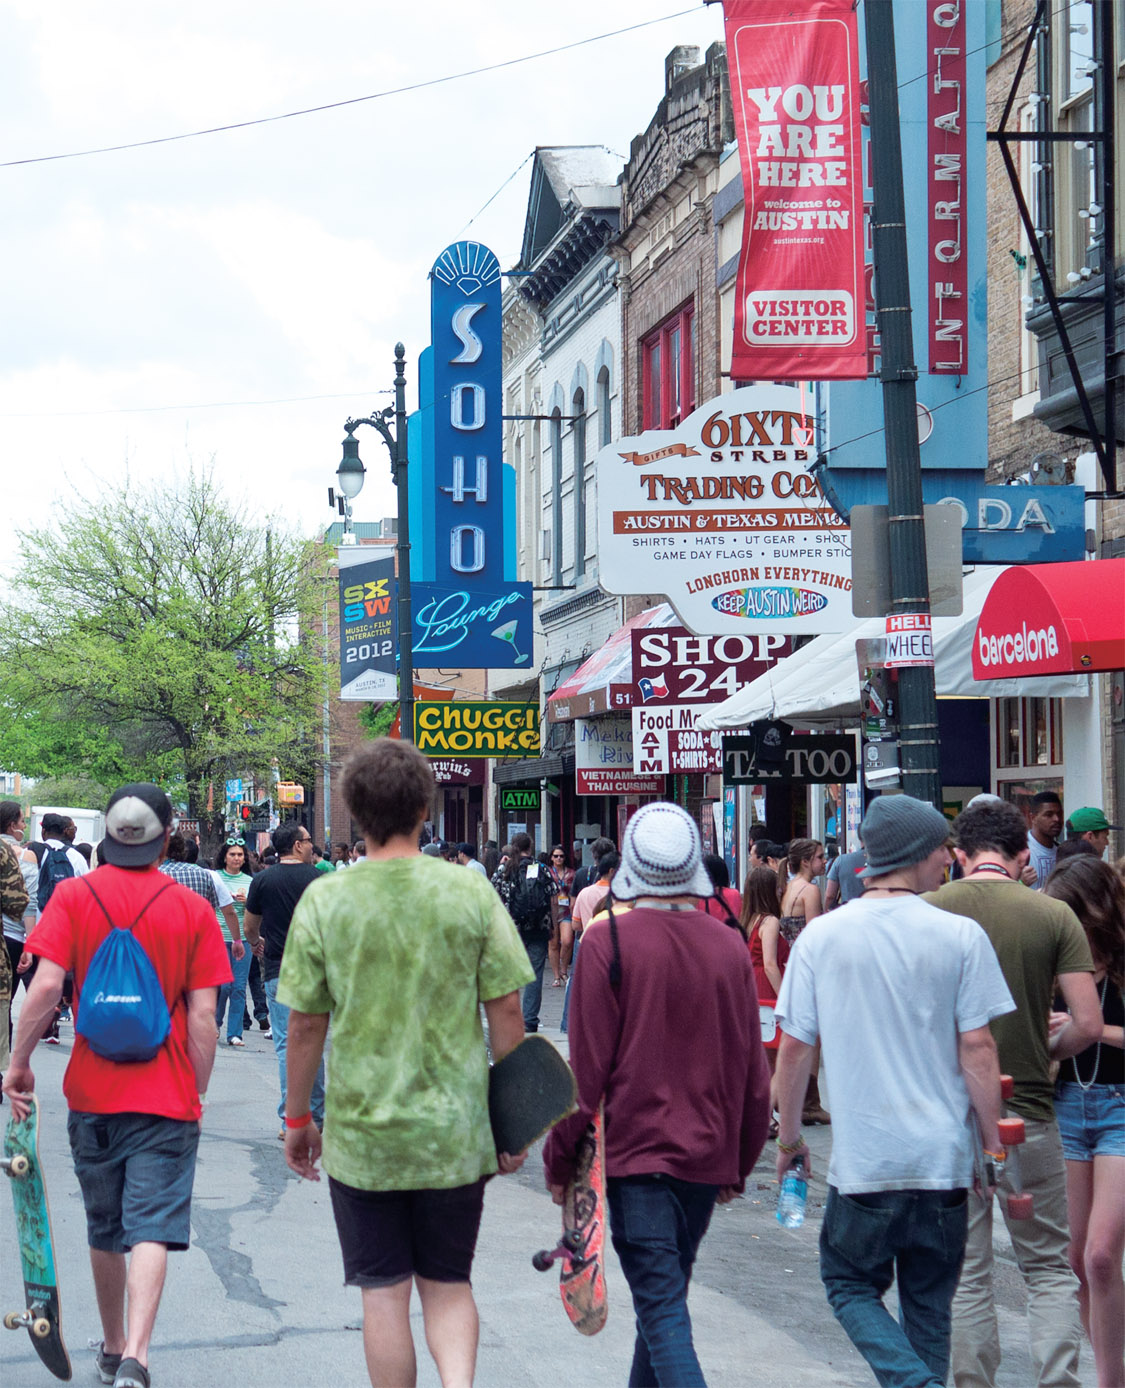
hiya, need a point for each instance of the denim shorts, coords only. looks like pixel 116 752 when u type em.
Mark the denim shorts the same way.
pixel 136 1172
pixel 1091 1121
pixel 388 1236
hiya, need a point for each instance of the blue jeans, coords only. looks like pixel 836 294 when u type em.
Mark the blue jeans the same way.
pixel 234 993
pixel 279 1025
pixel 658 1223
pixel 258 990
pixel 566 996
pixel 868 1240
pixel 533 991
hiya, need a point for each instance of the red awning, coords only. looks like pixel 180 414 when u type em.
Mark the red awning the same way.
pixel 605 681
pixel 1051 619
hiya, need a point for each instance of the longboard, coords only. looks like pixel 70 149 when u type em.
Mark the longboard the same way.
pixel 529 1091
pixel 582 1246
pixel 42 1312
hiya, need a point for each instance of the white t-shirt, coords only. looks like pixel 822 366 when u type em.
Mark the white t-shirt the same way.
pixel 887 984
pixel 1042 860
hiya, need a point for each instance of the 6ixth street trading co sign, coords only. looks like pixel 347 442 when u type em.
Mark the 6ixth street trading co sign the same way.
pixel 468 728
pixel 723 515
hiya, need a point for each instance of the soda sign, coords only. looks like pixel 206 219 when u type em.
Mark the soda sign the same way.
pixel 673 664
pixel 666 740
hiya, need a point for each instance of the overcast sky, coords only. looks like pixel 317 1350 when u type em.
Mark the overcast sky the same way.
pixel 150 296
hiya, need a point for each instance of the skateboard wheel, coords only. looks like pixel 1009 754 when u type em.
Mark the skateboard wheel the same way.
pixel 40 1327
pixel 572 1241
pixel 1011 1131
pixel 1007 1086
pixel 12 1320
pixel 542 1261
pixel 1020 1206
pixel 18 1165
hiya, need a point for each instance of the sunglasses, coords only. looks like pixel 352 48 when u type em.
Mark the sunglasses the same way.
pixel 236 843
pixel 558 855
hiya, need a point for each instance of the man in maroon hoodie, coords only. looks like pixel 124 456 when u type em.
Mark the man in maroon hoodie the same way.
pixel 664 1028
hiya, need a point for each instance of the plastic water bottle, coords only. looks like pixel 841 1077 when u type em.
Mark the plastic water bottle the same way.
pixel 794 1193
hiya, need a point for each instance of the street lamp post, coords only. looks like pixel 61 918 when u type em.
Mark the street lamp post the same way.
pixel 350 474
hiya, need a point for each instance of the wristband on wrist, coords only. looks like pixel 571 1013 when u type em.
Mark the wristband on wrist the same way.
pixel 998 1157
pixel 302 1122
pixel 790 1147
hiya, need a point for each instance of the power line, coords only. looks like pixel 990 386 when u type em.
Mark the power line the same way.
pixel 201 405
pixel 349 101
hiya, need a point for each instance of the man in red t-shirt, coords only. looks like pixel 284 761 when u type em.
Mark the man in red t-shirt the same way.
pixel 134 1127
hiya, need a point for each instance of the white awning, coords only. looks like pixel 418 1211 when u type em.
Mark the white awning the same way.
pixel 819 684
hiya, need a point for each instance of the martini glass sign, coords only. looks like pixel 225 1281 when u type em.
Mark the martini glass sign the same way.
pixel 507 632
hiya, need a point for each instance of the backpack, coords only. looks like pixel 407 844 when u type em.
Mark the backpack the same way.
pixel 530 902
pixel 123 1014
pixel 56 867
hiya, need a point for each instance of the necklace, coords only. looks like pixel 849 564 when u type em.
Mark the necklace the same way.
pixel 1079 1081
pixel 651 903
pixel 991 867
pixel 890 889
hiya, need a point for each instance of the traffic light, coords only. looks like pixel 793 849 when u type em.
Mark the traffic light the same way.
pixel 245 812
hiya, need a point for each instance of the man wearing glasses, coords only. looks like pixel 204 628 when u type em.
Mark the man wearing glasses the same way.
pixel 270 904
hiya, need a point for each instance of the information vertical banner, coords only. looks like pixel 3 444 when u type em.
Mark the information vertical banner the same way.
pixel 799 298
pixel 368 631
pixel 948 262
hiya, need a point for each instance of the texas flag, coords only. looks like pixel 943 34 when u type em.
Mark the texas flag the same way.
pixel 653 689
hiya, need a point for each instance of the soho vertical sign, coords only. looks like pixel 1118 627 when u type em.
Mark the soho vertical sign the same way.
pixel 469 615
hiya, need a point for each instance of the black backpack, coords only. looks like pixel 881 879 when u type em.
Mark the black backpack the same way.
pixel 55 868
pixel 530 902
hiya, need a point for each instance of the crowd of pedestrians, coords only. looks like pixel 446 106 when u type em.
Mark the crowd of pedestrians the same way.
pixel 702 1019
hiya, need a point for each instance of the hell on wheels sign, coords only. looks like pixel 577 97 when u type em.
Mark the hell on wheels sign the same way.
pixel 724 516
pixel 799 301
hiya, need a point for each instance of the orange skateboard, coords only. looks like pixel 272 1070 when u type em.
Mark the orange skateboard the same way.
pixel 582 1246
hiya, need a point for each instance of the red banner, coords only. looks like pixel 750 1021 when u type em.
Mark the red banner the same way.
pixel 799 297
pixel 947 266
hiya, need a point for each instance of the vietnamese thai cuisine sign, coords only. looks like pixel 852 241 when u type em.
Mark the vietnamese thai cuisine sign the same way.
pixel 799 300
pixel 723 515
pixel 603 759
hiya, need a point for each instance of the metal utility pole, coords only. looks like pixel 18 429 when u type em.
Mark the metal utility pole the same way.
pixel 910 590
pixel 402 551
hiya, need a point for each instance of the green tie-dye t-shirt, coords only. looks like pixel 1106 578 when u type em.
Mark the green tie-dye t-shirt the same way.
pixel 401 952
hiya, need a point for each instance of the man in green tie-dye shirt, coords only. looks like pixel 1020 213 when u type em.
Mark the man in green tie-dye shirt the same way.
pixel 399 953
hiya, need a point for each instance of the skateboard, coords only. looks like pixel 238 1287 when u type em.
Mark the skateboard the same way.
pixel 529 1091
pixel 42 1314
pixel 1019 1204
pixel 582 1246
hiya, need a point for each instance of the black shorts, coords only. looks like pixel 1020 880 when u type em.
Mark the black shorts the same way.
pixel 387 1236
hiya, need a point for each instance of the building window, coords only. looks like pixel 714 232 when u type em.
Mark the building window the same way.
pixel 668 366
pixel 1077 229
pixel 605 422
pixel 578 426
pixel 1028 741
pixel 556 496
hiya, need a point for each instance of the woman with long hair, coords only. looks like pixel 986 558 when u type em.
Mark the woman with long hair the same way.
pixel 562 926
pixel 769 952
pixel 801 902
pixel 1090 1108
pixel 230 865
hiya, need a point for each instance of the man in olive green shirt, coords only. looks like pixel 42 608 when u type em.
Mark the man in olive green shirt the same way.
pixel 399 953
pixel 1037 940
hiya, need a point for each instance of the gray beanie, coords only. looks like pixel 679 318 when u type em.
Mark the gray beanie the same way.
pixel 899 831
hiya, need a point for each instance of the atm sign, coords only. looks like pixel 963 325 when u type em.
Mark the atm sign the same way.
pixel 519 799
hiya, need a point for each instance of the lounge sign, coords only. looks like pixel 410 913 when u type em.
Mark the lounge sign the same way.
pixel 732 526
pixel 469 615
pixel 472 728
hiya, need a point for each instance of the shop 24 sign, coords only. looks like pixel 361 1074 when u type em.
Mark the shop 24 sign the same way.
pixel 470 614
pixel 723 515
pixel 673 664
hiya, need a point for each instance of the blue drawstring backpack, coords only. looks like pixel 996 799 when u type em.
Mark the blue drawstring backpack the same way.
pixel 122 1014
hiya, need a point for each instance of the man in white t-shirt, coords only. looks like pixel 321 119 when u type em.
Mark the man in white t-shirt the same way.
pixel 1043 835
pixel 900 995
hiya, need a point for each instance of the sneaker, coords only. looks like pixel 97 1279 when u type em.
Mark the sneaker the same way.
pixel 106 1364
pixel 235 1041
pixel 264 1023
pixel 281 1135
pixel 64 1015
pixel 131 1373
pixel 51 1040
pixel 267 1035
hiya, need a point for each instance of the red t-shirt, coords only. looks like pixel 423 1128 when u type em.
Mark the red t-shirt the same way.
pixel 181 937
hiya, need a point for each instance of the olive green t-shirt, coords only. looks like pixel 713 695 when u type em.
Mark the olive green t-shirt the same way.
pixel 1035 939
pixel 401 953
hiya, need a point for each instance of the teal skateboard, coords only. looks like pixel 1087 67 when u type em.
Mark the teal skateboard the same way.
pixel 42 1311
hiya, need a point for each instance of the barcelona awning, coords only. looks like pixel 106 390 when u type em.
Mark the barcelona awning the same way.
pixel 1048 619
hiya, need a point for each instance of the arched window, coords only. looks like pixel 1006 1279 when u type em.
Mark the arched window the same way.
pixel 578 409
pixel 556 496
pixel 605 421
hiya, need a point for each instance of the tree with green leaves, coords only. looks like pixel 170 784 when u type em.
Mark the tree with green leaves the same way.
pixel 156 633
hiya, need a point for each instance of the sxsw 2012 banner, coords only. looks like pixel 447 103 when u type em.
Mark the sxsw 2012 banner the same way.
pixel 368 631
pixel 799 299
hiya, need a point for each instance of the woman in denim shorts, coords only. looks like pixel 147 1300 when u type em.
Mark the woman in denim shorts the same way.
pixel 1090 1108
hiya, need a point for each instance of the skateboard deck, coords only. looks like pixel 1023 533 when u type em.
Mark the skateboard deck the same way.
pixel 528 1092
pixel 582 1246
pixel 42 1311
